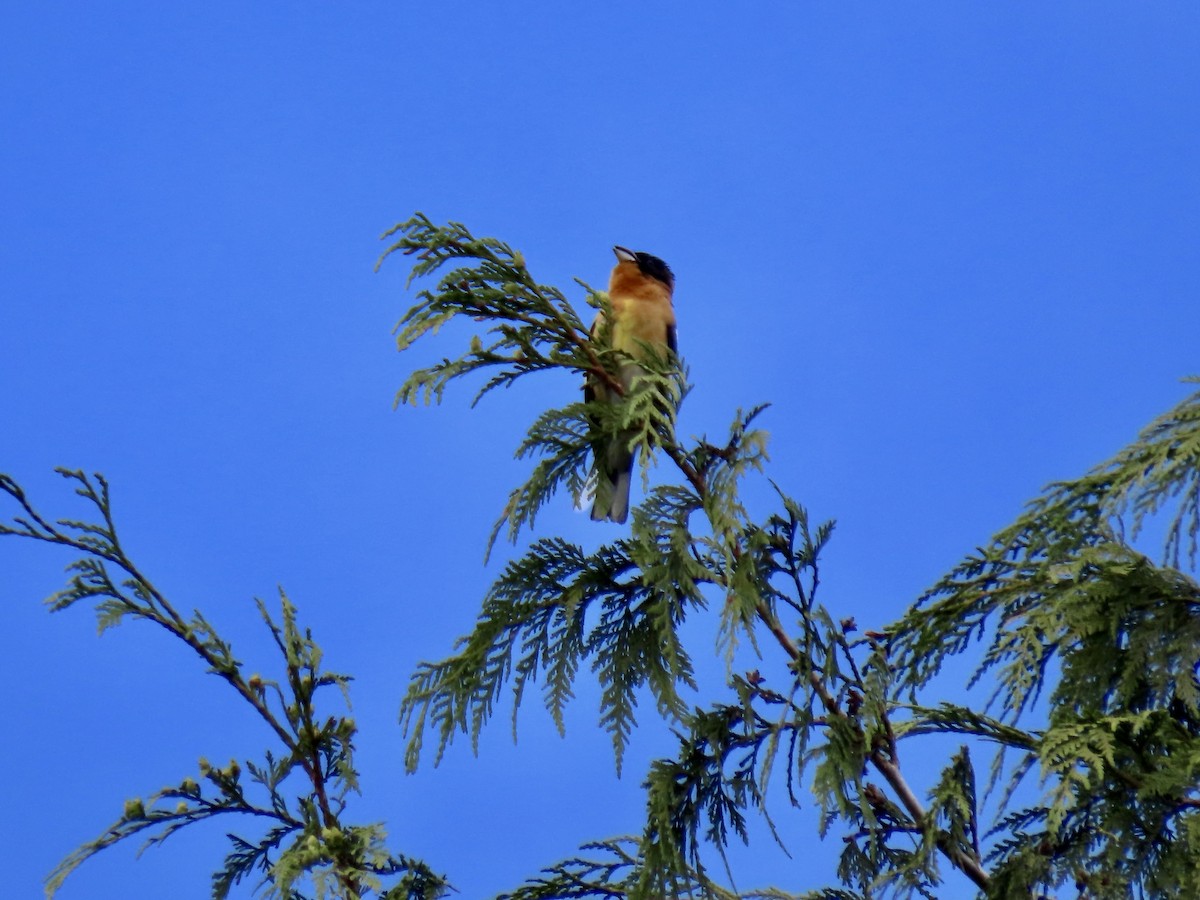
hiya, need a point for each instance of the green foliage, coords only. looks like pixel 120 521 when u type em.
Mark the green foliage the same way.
pixel 1068 607
pixel 529 327
pixel 612 871
pixel 1090 647
pixel 692 545
pixel 300 791
pixel 1077 625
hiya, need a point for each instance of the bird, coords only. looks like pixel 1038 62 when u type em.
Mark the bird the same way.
pixel 640 293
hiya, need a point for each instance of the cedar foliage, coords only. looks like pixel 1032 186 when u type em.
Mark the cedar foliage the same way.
pixel 1092 646
pixel 300 789
pixel 1089 647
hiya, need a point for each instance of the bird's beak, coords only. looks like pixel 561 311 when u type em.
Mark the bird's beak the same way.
pixel 625 255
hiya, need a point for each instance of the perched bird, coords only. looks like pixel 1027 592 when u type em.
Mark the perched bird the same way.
pixel 639 293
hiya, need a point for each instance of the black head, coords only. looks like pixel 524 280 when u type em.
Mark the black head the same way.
pixel 649 265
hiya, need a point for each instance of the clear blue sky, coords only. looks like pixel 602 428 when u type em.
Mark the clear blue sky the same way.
pixel 955 245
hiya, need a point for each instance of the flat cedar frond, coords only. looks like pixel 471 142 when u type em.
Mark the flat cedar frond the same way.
pixel 636 643
pixel 560 440
pixel 612 870
pixel 1026 565
pixel 1123 630
pixel 950 718
pixel 533 623
pixel 713 778
pixel 531 327
pixel 1161 468
pixel 531 602
pixel 724 467
pixel 1034 859
pixel 953 817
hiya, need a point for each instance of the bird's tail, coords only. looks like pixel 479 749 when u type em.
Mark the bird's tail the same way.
pixel 612 480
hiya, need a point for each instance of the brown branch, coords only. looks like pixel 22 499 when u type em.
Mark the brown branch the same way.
pixel 883 763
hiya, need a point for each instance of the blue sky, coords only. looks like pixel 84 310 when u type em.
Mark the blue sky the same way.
pixel 955 246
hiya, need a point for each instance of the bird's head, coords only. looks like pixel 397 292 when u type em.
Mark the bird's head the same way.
pixel 648 265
